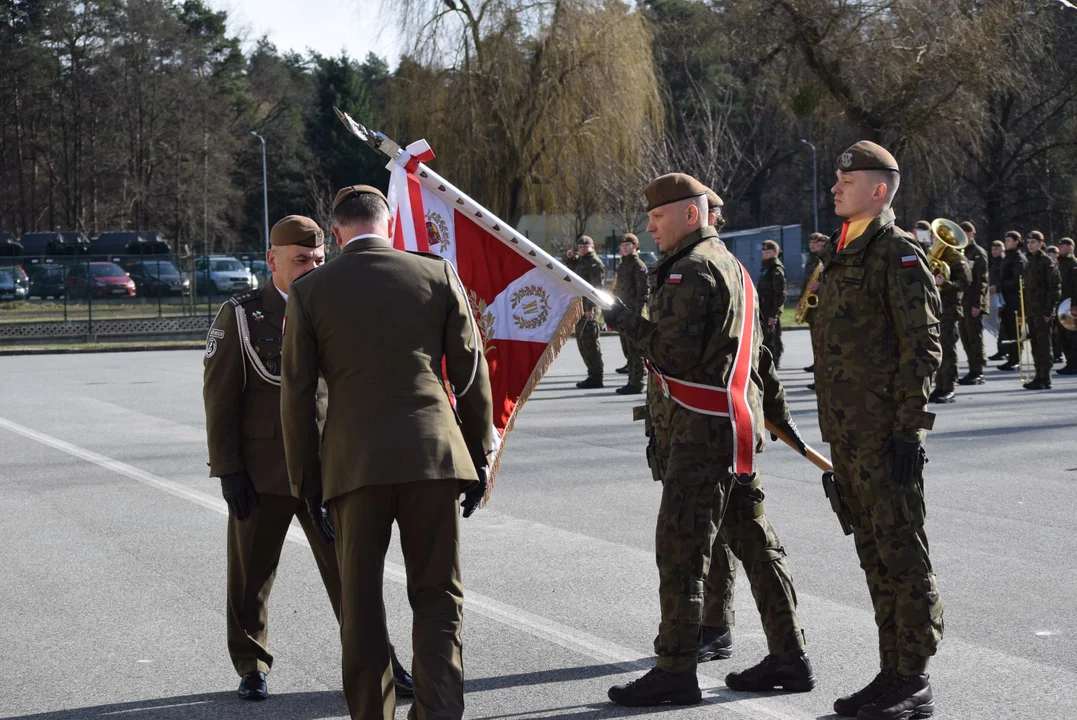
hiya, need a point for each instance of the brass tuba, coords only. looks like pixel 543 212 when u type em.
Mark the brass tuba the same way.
pixel 949 238
pixel 1064 318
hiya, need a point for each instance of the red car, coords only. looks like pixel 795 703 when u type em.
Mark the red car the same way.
pixel 105 279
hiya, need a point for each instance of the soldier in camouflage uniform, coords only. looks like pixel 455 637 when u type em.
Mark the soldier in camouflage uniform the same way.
pixel 876 338
pixel 772 299
pixel 1067 269
pixel 973 304
pixel 1013 268
pixel 951 291
pixel 816 243
pixel 587 265
pixel 1043 290
pixel 701 313
pixel 631 289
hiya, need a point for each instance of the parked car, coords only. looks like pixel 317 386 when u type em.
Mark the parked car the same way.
pixel 47 281
pixel 260 270
pixel 222 276
pixel 103 279
pixel 157 277
pixel 12 284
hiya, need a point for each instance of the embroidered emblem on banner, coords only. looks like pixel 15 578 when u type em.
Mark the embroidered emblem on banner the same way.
pixel 484 320
pixel 437 231
pixel 534 305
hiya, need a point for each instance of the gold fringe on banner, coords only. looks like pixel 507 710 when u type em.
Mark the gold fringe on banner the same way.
pixel 560 337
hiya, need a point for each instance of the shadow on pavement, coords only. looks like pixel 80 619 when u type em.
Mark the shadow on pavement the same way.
pixel 542 677
pixel 211 706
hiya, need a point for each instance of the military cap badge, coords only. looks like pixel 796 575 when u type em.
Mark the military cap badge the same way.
pixel 845 161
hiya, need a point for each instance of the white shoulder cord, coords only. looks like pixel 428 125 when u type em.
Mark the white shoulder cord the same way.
pixel 474 332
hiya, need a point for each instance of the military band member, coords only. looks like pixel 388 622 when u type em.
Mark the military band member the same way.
pixel 1010 275
pixel 924 236
pixel 876 338
pixel 1067 270
pixel 974 303
pixel 701 313
pixel 1043 289
pixel 816 243
pixel 395 448
pixel 632 290
pixel 951 291
pixel 772 299
pixel 588 266
pixel 994 274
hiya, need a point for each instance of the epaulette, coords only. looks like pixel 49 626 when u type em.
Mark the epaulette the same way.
pixel 245 297
pixel 435 256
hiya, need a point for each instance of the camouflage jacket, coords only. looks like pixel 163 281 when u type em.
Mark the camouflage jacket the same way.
pixel 771 288
pixel 876 336
pixel 696 312
pixel 632 282
pixel 953 289
pixel 976 294
pixel 1067 270
pixel 591 269
pixel 1013 269
pixel 1043 285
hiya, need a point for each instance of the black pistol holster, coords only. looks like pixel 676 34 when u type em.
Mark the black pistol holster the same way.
pixel 837 501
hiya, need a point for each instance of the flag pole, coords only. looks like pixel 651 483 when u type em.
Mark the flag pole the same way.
pixel 538 257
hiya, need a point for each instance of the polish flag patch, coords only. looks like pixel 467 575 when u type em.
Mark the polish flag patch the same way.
pixel 675 279
pixel 909 261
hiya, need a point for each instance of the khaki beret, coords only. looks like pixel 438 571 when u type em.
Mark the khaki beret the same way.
pixel 817 237
pixel 1066 241
pixel 1035 235
pixel 866 155
pixel 1052 248
pixel 771 245
pixel 998 243
pixel 296 230
pixel 630 238
pixel 1013 234
pixel 713 201
pixel 355 191
pixel 922 225
pixel 585 240
pixel 968 227
pixel 673 187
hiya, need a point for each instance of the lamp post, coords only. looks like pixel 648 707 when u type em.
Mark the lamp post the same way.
pixel 814 184
pixel 265 187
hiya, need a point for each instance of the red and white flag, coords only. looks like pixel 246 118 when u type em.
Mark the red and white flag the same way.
pixel 524 302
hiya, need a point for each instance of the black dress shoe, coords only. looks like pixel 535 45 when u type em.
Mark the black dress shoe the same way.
pixel 253 686
pixel 1008 366
pixel 401 679
pixel 810 368
pixel 629 390
pixel 658 687
pixel 1068 370
pixel 943 398
pixel 972 379
pixel 1037 384
pixel 811 386
pixel 850 705
pixel 789 671
pixel 622 370
pixel 907 698
pixel 589 384
pixel 715 643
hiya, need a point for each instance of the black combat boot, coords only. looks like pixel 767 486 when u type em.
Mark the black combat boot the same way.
pixel 1037 384
pixel 850 705
pixel 1008 366
pixel 973 378
pixel 997 356
pixel 1068 370
pixel 629 390
pixel 658 687
pixel 810 368
pixel 942 397
pixel 715 643
pixel 811 386
pixel 908 697
pixel 590 383
pixel 790 671
pixel 253 686
pixel 622 370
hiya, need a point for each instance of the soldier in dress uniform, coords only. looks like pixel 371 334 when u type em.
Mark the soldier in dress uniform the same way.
pixel 876 338
pixel 951 291
pixel 974 302
pixel 631 288
pixel 1067 270
pixel 772 299
pixel 994 279
pixel 702 319
pixel 588 266
pixel 243 428
pixel 1013 270
pixel 1043 290
pixel 395 448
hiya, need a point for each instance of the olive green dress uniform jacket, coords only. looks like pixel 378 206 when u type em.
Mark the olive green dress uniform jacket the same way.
pixel 976 294
pixel 772 289
pixel 876 335
pixel 1043 285
pixel 384 374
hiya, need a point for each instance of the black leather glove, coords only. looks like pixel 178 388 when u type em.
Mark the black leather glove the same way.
pixel 790 428
pixel 474 496
pixel 615 314
pixel 319 515
pixel 909 458
pixel 239 493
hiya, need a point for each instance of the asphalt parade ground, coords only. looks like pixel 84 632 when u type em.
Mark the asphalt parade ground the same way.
pixel 112 558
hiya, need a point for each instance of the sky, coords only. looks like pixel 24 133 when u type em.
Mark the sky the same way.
pixel 328 26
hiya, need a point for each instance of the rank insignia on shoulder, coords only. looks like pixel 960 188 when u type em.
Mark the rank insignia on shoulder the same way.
pixel 909 261
pixel 675 279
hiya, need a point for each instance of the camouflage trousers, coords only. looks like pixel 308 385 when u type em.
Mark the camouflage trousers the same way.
pixel 696 482
pixel 1039 337
pixel 948 337
pixel 888 530
pixel 747 535
pixel 587 342
pixel 635 361
pixel 772 338
pixel 972 339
